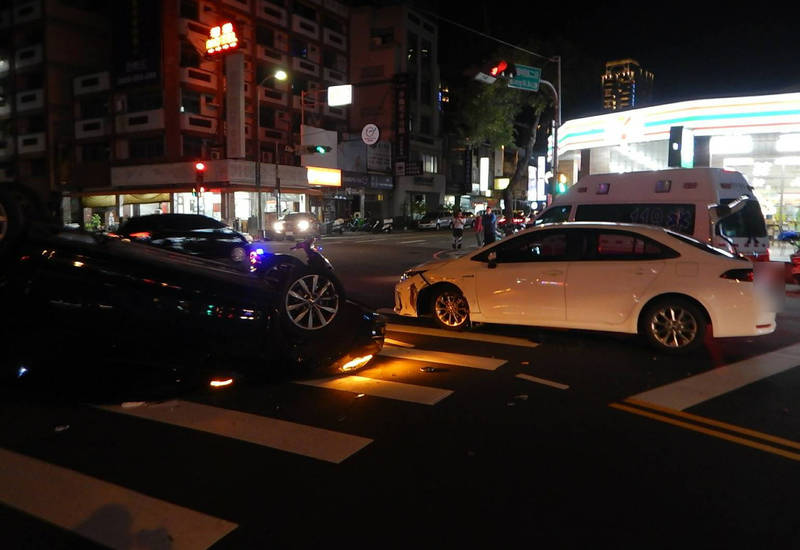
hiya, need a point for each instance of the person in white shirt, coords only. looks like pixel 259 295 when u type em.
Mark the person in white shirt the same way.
pixel 458 229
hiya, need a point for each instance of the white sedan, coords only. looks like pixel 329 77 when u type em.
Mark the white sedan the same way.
pixel 596 276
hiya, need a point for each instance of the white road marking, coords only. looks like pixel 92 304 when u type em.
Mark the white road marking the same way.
pixel 393 342
pixel 269 432
pixel 476 336
pixel 412 393
pixel 696 389
pixel 458 359
pixel 543 381
pixel 96 509
pixel 371 240
pixel 409 242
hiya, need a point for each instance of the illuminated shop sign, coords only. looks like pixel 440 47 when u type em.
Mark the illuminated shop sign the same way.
pixel 330 177
pixel 222 38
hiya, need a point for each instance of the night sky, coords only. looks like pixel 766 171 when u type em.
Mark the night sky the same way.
pixel 694 52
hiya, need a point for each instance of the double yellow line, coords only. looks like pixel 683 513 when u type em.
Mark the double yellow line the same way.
pixel 735 434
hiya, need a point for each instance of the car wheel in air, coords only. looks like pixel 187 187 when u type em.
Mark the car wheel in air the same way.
pixel 311 300
pixel 450 309
pixel 673 325
pixel 238 254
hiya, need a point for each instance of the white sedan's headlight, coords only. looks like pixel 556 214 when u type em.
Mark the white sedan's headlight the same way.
pixel 410 273
pixel 303 225
pixel 278 227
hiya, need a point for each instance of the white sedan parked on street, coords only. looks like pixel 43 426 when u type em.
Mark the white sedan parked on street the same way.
pixel 595 276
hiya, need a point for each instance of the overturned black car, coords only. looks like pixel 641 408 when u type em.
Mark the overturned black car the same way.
pixel 74 300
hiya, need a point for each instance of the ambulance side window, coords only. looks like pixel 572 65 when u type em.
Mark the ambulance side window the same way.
pixel 557 214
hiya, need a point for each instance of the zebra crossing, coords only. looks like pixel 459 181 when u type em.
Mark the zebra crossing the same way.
pixel 77 502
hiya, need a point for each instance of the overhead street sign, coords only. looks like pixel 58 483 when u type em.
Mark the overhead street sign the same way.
pixel 527 78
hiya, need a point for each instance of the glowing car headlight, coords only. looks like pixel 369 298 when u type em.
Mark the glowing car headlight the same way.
pixel 303 225
pixel 410 273
pixel 278 227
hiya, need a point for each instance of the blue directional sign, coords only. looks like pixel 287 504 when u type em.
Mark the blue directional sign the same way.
pixel 527 78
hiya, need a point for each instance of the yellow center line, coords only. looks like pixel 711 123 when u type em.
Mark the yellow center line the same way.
pixel 717 423
pixel 707 431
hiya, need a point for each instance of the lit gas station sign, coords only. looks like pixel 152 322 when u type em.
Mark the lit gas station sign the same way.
pixel 222 38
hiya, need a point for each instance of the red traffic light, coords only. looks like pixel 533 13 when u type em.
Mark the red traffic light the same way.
pixel 200 166
pixel 498 69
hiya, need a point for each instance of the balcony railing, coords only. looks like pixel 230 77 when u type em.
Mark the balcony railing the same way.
pixel 306 27
pixel 140 121
pixel 30 100
pixel 199 77
pixel 198 123
pixel 90 83
pixel 31 143
pixel 28 57
pixel 92 127
pixel 27 12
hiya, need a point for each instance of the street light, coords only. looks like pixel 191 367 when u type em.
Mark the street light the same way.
pixel 278 75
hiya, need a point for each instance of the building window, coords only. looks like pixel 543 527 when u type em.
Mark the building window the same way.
pixel 190 57
pixel 332 24
pixel 145 101
pixel 265 36
pixel 426 53
pixel 38 168
pixel 305 11
pixel 298 48
pixel 190 102
pixel 189 9
pixel 411 39
pixel 425 92
pixel 382 36
pixel 425 125
pixel 430 163
pixel 192 146
pixel 92 152
pixel 94 108
pixel 146 148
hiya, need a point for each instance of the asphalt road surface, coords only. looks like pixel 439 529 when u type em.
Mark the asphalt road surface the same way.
pixel 493 437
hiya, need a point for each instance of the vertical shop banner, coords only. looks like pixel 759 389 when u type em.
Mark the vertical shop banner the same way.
pixel 234 105
pixel 401 117
pixel 137 41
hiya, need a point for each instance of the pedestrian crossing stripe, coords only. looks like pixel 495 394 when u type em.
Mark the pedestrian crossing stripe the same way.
pixel 283 435
pixel 412 393
pixel 441 357
pixel 96 509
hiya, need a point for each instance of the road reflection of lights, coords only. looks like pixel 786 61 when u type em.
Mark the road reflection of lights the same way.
pixel 22 371
pixel 76 263
pixel 221 383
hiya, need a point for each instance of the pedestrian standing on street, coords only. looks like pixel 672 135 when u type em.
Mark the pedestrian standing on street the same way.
pixel 489 227
pixel 478 226
pixel 458 229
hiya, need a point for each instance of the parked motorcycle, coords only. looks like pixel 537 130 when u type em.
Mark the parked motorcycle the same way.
pixel 337 226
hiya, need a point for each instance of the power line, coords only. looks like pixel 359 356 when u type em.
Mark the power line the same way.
pixel 498 40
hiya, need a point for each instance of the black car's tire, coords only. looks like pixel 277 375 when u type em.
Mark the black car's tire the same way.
pixel 673 325
pixel 450 309
pixel 238 254
pixel 311 301
pixel 13 222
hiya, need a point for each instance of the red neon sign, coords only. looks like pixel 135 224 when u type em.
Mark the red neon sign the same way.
pixel 222 38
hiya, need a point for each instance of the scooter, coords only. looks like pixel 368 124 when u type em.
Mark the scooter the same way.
pixel 383 226
pixel 338 226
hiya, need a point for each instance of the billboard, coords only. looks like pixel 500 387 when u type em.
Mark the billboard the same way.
pixel 137 41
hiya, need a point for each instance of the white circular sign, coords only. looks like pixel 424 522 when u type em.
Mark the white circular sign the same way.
pixel 370 134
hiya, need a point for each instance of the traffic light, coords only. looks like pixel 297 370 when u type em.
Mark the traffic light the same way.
pixel 321 149
pixel 561 185
pixel 503 69
pixel 199 172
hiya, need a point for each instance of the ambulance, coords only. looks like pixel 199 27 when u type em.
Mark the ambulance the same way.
pixel 712 205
